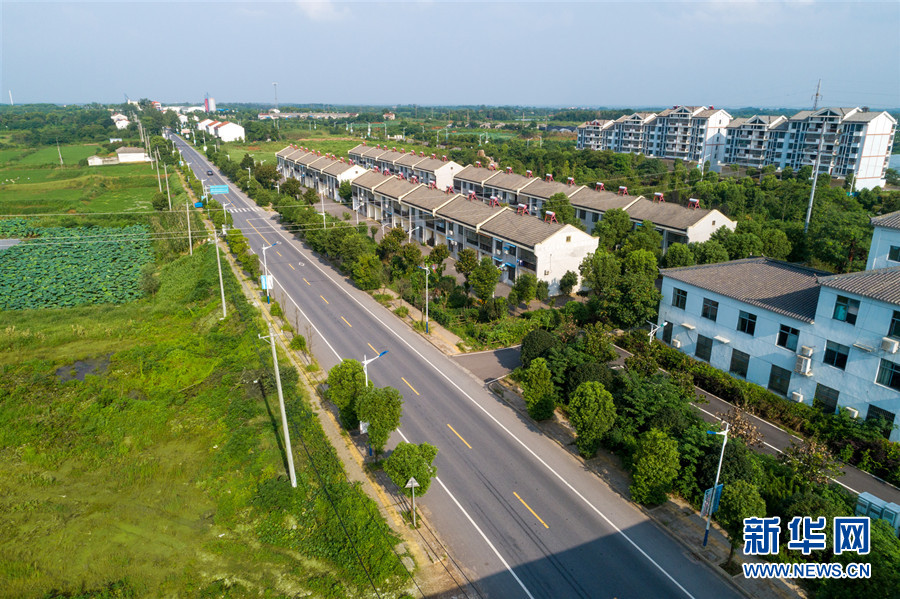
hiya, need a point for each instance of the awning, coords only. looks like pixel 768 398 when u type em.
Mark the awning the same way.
pixel 721 339
pixel 510 265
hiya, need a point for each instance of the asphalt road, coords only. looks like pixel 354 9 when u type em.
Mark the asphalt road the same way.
pixel 518 512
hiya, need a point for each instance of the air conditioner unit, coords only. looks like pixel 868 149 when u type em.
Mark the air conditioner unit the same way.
pixel 806 351
pixel 854 413
pixel 803 366
pixel 498 252
pixel 546 273
pixel 890 345
pixel 797 396
pixel 676 343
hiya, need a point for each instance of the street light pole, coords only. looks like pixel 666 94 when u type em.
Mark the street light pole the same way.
pixel 411 231
pixel 224 216
pixel 365 364
pixel 187 212
pixel 168 194
pixel 284 422
pixel 427 272
pixel 221 282
pixel 323 220
pixel 266 268
pixel 718 472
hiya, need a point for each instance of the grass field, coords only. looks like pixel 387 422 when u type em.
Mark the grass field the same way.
pixel 33 182
pixel 161 472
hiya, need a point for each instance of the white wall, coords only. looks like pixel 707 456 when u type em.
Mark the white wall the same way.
pixel 555 256
pixel 882 240
pixel 709 224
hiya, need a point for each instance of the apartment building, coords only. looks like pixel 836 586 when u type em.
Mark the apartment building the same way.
pixel 754 141
pixel 594 135
pixel 826 340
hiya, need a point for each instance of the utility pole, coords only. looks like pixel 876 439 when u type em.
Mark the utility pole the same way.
pixel 187 212
pixel 284 422
pixel 817 96
pixel 221 283
pixel 166 168
pixel 812 192
pixel 60 153
pixel 158 180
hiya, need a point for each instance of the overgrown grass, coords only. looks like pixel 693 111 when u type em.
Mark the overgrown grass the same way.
pixel 163 474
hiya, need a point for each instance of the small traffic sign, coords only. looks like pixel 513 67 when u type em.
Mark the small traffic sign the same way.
pixel 412 483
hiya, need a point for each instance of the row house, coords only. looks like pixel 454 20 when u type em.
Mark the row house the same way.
pixel 472 179
pixel 831 341
pixel 678 224
pixel 329 175
pixel 515 242
pixel 754 141
pixel 365 155
pixel 504 187
pixel 694 133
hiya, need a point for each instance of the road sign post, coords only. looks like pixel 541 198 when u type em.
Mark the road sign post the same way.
pixel 412 483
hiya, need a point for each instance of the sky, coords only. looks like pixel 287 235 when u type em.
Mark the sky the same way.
pixel 585 54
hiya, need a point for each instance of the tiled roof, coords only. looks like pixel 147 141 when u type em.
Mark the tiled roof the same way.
pixel 735 123
pixel 409 160
pixel 308 159
pixel 783 288
pixel 891 220
pixel 509 181
pixel 370 180
pixel 294 155
pixel 319 164
pixel 396 188
pixel 469 213
pixel 600 201
pixel 390 156
pixel 428 199
pixel 520 229
pixel 881 284
pixel 432 164
pixel 475 174
pixel 337 167
pixel 285 151
pixel 865 117
pixel 374 152
pixel 544 189
pixel 672 216
pixel 360 149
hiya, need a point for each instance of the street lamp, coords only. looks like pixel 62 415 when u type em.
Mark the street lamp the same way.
pixel 427 272
pixel 224 216
pixel 716 484
pixel 266 268
pixel 411 231
pixel 365 364
pixel 323 219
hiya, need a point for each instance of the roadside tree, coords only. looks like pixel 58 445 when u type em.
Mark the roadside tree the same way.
pixel 381 408
pixel 346 382
pixel 656 464
pixel 409 460
pixel 592 413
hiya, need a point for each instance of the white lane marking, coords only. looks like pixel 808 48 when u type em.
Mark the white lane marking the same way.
pixel 772 447
pixel 497 422
pixel 288 295
pixel 472 522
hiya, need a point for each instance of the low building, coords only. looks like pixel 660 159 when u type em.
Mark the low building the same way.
pixel 129 154
pixel 884 251
pixel 121 121
pixel 102 160
pixel 228 131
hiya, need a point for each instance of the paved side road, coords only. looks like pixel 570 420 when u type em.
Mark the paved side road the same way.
pixel 492 365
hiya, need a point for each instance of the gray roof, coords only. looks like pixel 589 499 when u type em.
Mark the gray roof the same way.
pixel 865 117
pixel 544 189
pixel 370 180
pixel 881 284
pixel 129 150
pixel 520 229
pixel 783 288
pixel 374 152
pixel 319 164
pixel 469 213
pixel 475 174
pixel 891 220
pixel 509 181
pixel 664 214
pixel 432 164
pixel 337 167
pixel 428 199
pixel 735 123
pixel 293 156
pixel 285 151
pixel 396 188
pixel 360 149
pixel 409 160
pixel 308 159
pixel 390 156
pixel 600 201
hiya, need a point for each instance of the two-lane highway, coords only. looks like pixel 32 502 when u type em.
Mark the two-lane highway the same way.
pixel 521 514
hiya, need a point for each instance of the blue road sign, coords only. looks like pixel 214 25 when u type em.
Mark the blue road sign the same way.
pixel 198 204
pixel 218 189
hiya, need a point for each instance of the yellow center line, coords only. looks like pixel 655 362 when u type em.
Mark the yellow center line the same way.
pixel 305 281
pixel 292 267
pixel 530 510
pixel 408 385
pixel 322 296
pixel 258 233
pixel 373 349
pixel 345 320
pixel 279 253
pixel 460 437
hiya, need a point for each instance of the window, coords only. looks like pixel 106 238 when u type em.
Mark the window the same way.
pixel 846 309
pixel 739 363
pixel 747 323
pixel 704 348
pixel 787 337
pixel 710 309
pixel 836 354
pixel 875 413
pixel 779 380
pixel 568 238
pixel 894 253
pixel 679 298
pixel 889 375
pixel 894 329
pixel 826 399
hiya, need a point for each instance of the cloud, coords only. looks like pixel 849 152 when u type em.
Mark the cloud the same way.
pixel 321 10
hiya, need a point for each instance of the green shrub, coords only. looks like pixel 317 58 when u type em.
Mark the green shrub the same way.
pixel 402 311
pixel 275 310
pixel 298 343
